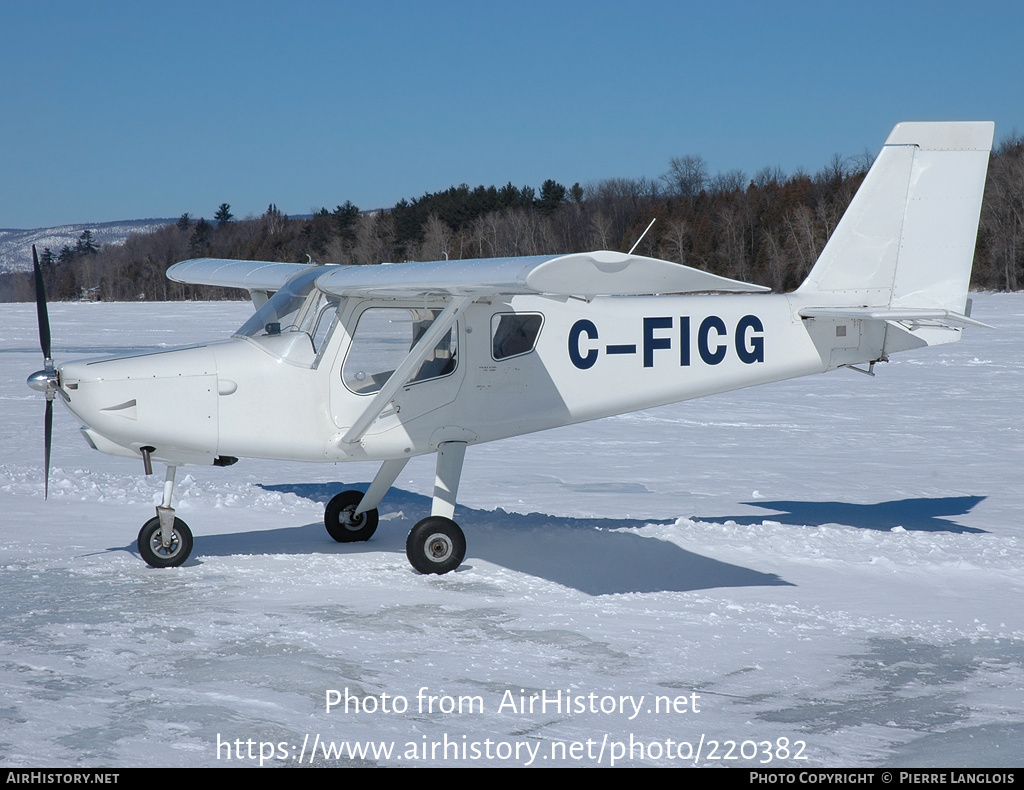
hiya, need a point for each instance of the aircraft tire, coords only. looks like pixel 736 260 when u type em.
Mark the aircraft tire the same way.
pixel 342 525
pixel 436 545
pixel 155 554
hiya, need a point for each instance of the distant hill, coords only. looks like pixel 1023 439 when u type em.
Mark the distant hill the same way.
pixel 16 245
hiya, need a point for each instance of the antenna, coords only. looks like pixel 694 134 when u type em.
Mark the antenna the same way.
pixel 641 237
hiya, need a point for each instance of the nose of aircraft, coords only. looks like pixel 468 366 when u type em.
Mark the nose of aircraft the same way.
pixel 167 401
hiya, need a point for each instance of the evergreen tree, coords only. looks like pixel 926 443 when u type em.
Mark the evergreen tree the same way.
pixel 509 196
pixel 85 245
pixel 273 220
pixel 346 216
pixel 200 241
pixel 316 233
pixel 223 215
pixel 551 196
pixel 184 222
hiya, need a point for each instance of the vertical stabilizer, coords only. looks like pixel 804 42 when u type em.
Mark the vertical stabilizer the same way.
pixel 907 239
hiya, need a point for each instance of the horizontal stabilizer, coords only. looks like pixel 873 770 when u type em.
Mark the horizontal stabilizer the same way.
pixel 904 315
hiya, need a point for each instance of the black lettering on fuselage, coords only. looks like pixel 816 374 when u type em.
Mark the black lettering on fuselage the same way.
pixel 750 348
pixel 712 340
pixel 582 361
pixel 651 342
pixel 704 339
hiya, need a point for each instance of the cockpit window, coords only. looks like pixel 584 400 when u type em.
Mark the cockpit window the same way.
pixel 319 319
pixel 514 334
pixel 382 340
pixel 296 322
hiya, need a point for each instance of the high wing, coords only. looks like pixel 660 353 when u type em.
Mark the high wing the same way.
pixel 259 278
pixel 600 273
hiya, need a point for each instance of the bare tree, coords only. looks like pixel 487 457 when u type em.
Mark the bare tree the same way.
pixel 437 240
pixel 674 239
pixel 1002 216
pixel 776 259
pixel 375 238
pixel 728 182
pixel 732 250
pixel 769 176
pixel 803 238
pixel 686 176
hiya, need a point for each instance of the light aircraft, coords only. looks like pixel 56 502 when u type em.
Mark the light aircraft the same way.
pixel 361 363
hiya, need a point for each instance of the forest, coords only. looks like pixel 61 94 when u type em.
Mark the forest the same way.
pixel 768 228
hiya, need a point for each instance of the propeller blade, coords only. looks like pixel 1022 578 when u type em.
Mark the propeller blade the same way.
pixel 41 313
pixel 46 379
pixel 47 435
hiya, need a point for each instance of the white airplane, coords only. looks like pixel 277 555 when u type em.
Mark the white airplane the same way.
pixel 359 363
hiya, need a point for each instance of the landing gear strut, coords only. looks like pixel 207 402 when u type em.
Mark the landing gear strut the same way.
pixel 165 541
pixel 437 544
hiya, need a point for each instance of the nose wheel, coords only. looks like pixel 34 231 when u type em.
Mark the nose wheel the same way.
pixel 165 541
pixel 160 555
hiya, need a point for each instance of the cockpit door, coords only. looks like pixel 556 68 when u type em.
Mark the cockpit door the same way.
pixel 381 335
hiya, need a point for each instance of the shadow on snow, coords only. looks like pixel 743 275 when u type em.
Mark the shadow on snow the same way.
pixel 597 556
pixel 919 515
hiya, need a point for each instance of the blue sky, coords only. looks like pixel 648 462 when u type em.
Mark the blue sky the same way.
pixel 123 110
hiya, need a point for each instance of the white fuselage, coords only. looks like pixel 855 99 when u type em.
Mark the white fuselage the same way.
pixel 591 359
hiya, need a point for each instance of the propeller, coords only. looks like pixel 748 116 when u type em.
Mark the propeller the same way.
pixel 44 380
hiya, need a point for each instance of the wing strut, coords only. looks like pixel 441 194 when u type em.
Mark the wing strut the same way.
pixel 417 354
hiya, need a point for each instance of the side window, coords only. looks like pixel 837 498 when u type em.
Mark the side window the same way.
pixel 513 334
pixel 382 340
pixel 323 323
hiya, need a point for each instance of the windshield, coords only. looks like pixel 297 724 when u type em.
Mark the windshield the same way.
pixel 295 322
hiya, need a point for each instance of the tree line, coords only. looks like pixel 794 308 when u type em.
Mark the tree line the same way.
pixel 768 228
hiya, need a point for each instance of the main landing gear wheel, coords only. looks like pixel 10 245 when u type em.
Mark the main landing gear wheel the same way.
pixel 436 545
pixel 155 553
pixel 342 523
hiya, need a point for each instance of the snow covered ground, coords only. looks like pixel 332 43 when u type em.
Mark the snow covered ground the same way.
pixel 824 572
